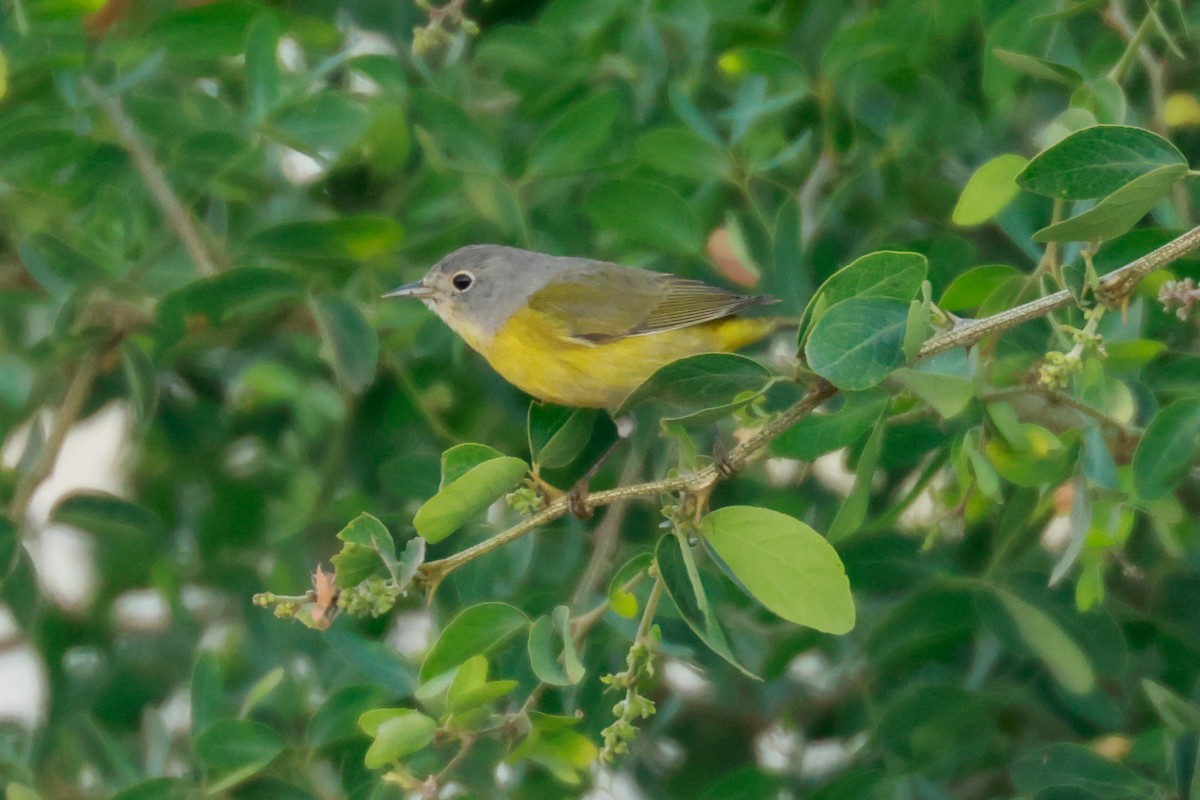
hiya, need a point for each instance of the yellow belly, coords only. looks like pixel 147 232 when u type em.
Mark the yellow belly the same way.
pixel 532 353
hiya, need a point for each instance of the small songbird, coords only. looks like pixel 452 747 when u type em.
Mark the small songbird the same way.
pixel 580 332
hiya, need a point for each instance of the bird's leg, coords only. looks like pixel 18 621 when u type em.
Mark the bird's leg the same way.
pixel 577 495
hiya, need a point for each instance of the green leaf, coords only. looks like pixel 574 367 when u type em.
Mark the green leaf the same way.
pixel 992 187
pixel 140 374
pixel 469 495
pixel 476 630
pixel 785 564
pixel 682 153
pixel 262 66
pixel 1098 161
pixel 949 395
pixel 261 690
pixel 153 789
pixel 1177 713
pixel 459 139
pixel 329 121
pixel 462 458
pixel 57 267
pixel 1167 449
pixel 646 213
pixel 236 749
pixel 557 435
pixel 887 274
pixel 356 238
pixel 1118 212
pixel 569 143
pixel 973 287
pixel 706 379
pixel 368 546
pixel 1050 643
pixel 212 30
pixel 350 339
pixel 676 565
pixel 207 692
pixel 857 342
pixel 221 298
pixel 818 434
pixel 16 791
pixel 544 654
pixel 1072 766
pixel 397 732
pixel 1039 67
pixel 106 515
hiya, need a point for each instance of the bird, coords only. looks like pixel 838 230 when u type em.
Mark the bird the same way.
pixel 580 332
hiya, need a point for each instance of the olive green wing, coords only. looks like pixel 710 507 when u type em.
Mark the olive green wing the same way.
pixel 603 302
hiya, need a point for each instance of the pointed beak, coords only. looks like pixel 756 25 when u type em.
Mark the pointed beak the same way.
pixel 415 289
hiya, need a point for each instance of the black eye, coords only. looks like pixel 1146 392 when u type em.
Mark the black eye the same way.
pixel 462 281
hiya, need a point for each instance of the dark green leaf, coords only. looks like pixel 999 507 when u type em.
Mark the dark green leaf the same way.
pixel 557 435
pixel 57 267
pixel 352 342
pixel 1118 212
pixel 702 380
pixel 212 30
pixel 570 142
pixel 1098 161
pixel 682 153
pixel 681 579
pixel 337 718
pixel 1074 766
pixel 329 121
pixel 262 66
pixel 106 515
pixel 857 342
pixel 853 512
pixel 818 434
pixel 646 213
pixel 1058 651
pixel 1167 449
pixel 462 458
pixel 237 749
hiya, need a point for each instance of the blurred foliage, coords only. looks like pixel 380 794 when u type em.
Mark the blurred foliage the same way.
pixel 202 204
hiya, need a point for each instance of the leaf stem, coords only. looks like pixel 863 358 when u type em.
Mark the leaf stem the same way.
pixel 74 396
pixel 174 212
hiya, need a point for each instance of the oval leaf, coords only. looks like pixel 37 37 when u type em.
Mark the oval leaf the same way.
pixel 352 343
pixel 1167 449
pixel 1058 651
pixel 706 379
pixel 568 143
pixel 785 564
pixel 647 213
pixel 990 189
pixel 467 496
pixel 857 342
pixel 397 732
pixel 474 631
pixel 1097 161
pixel 682 153
pixel 1118 212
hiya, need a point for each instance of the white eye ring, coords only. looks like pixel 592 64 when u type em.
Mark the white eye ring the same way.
pixel 462 281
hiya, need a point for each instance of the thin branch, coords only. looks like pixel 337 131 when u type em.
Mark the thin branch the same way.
pixel 169 204
pixel 1113 290
pixel 75 395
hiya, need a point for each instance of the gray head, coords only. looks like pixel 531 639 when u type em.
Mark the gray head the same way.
pixel 477 288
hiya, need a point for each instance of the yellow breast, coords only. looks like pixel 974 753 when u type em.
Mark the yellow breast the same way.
pixel 532 352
